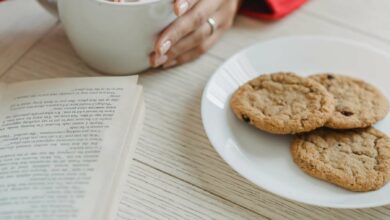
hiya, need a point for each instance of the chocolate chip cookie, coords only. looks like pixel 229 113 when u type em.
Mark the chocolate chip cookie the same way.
pixel 357 160
pixel 357 103
pixel 283 103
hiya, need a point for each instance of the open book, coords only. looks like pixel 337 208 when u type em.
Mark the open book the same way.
pixel 66 146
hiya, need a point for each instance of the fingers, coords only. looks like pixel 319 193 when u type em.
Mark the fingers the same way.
pixel 185 24
pixel 182 6
pixel 190 41
pixel 156 61
pixel 187 43
pixel 195 52
pixel 196 38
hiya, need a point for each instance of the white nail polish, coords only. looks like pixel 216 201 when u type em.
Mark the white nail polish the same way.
pixel 165 47
pixel 183 7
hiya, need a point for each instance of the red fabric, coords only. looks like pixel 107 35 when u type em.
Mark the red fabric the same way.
pixel 270 9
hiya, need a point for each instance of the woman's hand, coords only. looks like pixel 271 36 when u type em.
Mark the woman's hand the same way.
pixel 191 34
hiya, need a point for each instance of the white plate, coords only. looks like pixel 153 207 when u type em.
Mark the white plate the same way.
pixel 265 159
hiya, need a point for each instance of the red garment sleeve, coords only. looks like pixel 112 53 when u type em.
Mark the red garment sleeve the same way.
pixel 270 9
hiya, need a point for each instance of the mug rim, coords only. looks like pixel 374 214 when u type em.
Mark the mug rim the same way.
pixel 142 2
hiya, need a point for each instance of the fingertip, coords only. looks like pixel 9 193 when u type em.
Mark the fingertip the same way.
pixel 181 7
pixel 163 45
pixel 155 60
pixel 157 45
pixel 176 8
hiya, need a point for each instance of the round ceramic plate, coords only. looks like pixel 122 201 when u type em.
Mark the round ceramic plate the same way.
pixel 264 158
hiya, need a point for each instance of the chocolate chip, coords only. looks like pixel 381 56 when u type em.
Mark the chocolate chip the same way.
pixel 255 87
pixel 347 113
pixel 339 145
pixel 330 76
pixel 245 118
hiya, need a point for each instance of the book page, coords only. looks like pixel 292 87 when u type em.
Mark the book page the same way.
pixel 120 209
pixel 112 194
pixel 125 166
pixel 60 143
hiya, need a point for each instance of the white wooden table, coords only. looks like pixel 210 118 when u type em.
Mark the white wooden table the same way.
pixel 176 173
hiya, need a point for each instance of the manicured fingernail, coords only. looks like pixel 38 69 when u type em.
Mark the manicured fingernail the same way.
pixel 170 64
pixel 160 61
pixel 183 7
pixel 165 47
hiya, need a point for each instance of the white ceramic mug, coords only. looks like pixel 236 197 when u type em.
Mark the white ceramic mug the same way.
pixel 115 38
